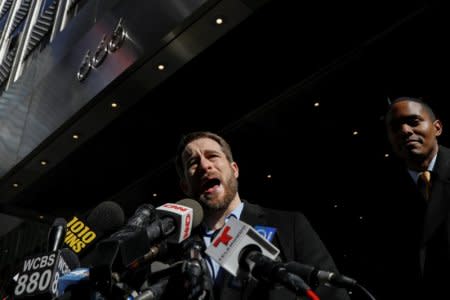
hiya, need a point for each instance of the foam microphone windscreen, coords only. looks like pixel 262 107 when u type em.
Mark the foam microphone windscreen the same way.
pixel 83 235
pixel 108 216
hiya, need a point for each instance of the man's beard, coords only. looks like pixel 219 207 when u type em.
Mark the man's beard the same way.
pixel 230 189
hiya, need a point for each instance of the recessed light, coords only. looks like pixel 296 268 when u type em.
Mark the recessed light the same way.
pixel 161 67
pixel 219 21
pixel 114 105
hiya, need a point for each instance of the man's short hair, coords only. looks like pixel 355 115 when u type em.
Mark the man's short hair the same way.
pixel 412 99
pixel 186 139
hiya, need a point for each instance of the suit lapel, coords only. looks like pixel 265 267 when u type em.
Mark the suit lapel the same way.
pixel 438 207
pixel 255 215
pixel 436 211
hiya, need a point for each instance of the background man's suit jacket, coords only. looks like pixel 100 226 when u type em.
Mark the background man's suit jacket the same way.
pixel 411 236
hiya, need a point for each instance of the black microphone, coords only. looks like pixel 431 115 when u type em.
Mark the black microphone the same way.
pixel 240 249
pixel 130 234
pixel 82 283
pixel 316 277
pixel 39 274
pixel 142 217
pixel 82 235
pixel 195 271
pixel 70 258
pixel 154 291
pixel 56 234
pixel 270 271
pixel 173 223
pixel 119 258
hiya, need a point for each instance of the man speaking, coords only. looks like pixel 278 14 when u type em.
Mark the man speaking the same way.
pixel 209 175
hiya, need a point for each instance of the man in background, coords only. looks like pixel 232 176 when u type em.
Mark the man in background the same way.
pixel 419 230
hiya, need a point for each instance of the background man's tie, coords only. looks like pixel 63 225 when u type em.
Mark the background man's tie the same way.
pixel 425 184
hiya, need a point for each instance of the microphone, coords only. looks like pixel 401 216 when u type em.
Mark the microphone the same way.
pixel 235 236
pixel 39 274
pixel 240 250
pixel 142 217
pixel 82 235
pixel 120 256
pixel 154 291
pixel 195 271
pixel 267 270
pixel 57 234
pixel 84 283
pixel 316 277
pixel 173 223
pixel 73 278
pixel 70 258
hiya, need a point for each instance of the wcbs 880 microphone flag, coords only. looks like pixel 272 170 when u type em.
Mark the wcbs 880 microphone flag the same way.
pixel 39 274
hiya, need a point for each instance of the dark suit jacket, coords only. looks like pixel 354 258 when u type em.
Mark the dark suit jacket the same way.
pixel 435 237
pixel 297 241
pixel 411 236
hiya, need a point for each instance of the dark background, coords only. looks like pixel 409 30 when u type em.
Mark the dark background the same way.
pixel 258 86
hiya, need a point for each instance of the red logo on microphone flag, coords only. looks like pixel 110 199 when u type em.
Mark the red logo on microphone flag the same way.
pixel 224 237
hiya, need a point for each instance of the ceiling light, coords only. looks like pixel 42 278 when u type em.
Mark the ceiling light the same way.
pixel 219 21
pixel 114 105
pixel 161 67
pixel 75 136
